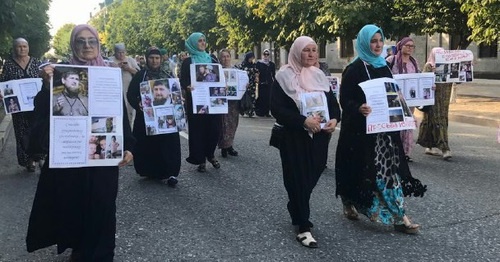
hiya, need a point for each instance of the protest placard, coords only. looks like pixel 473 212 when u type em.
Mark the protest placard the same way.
pixel 19 95
pixel 389 109
pixel 86 117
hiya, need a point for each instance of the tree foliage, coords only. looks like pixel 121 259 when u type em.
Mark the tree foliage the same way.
pixel 27 19
pixel 483 19
pixel 61 40
pixel 241 24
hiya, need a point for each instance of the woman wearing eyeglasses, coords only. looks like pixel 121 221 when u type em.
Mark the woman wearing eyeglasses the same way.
pixel 404 63
pixel 75 207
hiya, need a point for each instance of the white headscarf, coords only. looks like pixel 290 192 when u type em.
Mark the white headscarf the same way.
pixel 295 79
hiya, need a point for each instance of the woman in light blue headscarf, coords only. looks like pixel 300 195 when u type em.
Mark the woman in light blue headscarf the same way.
pixel 204 128
pixel 372 174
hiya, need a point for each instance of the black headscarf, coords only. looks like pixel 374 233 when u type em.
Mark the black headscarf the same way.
pixel 157 73
pixel 246 62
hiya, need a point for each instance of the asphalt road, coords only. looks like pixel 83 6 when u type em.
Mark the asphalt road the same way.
pixel 238 213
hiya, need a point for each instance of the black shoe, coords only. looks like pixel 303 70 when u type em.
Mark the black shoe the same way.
pixel 172 181
pixel 202 168
pixel 232 152
pixel 31 167
pixel 214 163
pixel 223 152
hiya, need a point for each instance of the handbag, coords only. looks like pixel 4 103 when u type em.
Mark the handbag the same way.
pixel 277 135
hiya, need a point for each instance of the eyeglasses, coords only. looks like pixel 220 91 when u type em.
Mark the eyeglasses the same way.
pixel 81 42
pixel 266 54
pixel 410 46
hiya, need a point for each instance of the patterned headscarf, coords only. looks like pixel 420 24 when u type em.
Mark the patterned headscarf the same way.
pixel 75 60
pixel 363 46
pixel 197 56
pixel 295 79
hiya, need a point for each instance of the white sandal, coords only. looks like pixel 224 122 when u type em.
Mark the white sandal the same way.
pixel 307 240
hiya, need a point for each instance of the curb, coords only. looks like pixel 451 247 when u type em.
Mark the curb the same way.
pixel 5 129
pixel 474 120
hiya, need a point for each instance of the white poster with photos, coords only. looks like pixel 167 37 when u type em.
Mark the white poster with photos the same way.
pixel 389 109
pixel 19 95
pixel 315 104
pixel 236 83
pixel 454 66
pixel 162 106
pixel 417 88
pixel 334 85
pixel 86 117
pixel 208 89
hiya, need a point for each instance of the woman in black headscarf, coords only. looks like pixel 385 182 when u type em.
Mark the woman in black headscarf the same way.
pixel 247 105
pixel 157 156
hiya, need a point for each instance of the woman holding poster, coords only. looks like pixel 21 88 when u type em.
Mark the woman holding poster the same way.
pixel 372 174
pixel 304 144
pixel 157 156
pixel 404 63
pixel 433 133
pixel 229 121
pixel 21 65
pixel 75 207
pixel 204 129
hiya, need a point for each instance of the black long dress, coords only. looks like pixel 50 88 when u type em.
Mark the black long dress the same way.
pixel 267 73
pixel 204 129
pixel 73 207
pixel 303 158
pixel 359 172
pixel 157 156
pixel 22 120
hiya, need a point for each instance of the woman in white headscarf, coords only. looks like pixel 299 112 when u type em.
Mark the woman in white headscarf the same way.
pixel 304 144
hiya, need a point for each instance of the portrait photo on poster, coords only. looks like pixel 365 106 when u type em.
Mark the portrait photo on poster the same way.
pixel 70 92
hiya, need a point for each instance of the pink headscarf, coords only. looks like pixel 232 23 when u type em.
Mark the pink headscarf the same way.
pixel 75 60
pixel 295 79
pixel 432 56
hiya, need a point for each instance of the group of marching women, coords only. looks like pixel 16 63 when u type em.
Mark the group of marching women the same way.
pixel 76 207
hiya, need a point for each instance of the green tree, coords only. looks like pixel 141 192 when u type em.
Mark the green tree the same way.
pixel 238 27
pixel 483 19
pixel 27 19
pixel 61 40
pixel 443 16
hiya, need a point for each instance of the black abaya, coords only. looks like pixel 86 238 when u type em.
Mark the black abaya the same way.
pixel 157 156
pixel 303 158
pixel 204 129
pixel 73 207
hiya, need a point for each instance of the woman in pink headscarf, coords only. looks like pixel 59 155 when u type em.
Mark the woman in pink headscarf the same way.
pixel 74 207
pixel 304 144
pixel 404 63
pixel 433 134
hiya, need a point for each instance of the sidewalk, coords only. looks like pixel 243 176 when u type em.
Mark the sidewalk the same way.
pixel 477 103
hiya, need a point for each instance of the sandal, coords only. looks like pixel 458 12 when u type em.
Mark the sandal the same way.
pixel 407 229
pixel 202 168
pixel 307 240
pixel 214 163
pixel 409 159
pixel 350 212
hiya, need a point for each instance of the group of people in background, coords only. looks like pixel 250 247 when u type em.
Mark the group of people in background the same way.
pixel 372 171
